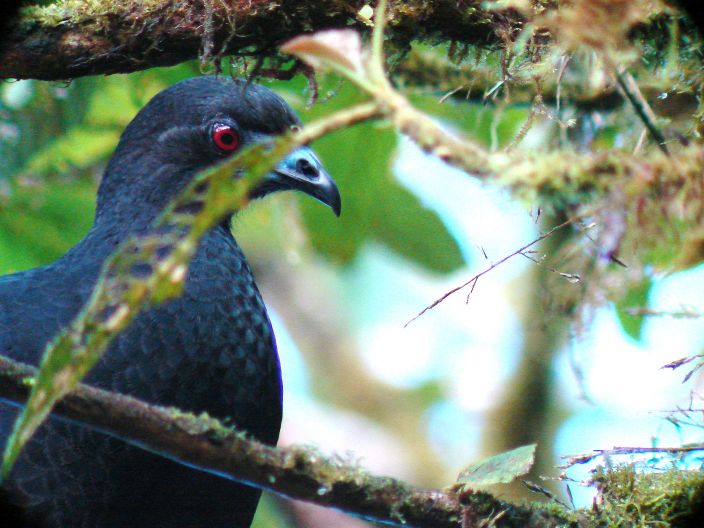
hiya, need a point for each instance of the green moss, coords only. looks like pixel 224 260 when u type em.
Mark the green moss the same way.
pixel 80 10
pixel 102 7
pixel 627 498
pixel 554 509
pixel 633 497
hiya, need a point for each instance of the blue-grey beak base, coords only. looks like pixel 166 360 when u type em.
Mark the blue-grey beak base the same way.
pixel 302 171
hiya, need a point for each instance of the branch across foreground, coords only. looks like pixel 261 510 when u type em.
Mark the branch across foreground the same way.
pixel 295 472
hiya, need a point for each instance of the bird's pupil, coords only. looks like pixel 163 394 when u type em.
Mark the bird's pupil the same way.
pixel 228 139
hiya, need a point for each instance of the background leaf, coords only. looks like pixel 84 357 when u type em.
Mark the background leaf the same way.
pixel 636 297
pixel 376 208
pixel 40 223
pixel 499 469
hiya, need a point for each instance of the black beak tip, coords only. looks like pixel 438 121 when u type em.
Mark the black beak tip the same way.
pixel 302 171
pixel 327 193
pixel 336 204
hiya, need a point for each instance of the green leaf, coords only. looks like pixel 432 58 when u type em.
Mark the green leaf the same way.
pixel 499 469
pixel 636 297
pixel 39 224
pixel 375 207
pixel 80 147
pixel 414 232
pixel 360 167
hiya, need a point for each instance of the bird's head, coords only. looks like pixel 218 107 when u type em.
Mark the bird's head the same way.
pixel 198 123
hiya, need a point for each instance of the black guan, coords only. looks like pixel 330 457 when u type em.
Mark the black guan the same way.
pixel 212 349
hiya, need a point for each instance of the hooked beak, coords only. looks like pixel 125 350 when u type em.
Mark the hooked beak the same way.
pixel 302 171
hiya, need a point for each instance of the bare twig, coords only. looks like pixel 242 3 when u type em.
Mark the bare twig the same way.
pixel 473 280
pixel 570 277
pixel 681 313
pixel 572 460
pixel 682 416
pixel 641 106
pixel 683 361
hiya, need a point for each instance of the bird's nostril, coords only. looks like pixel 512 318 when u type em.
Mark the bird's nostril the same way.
pixel 306 168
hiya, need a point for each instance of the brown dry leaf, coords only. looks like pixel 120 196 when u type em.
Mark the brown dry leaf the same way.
pixel 327 49
pixel 599 24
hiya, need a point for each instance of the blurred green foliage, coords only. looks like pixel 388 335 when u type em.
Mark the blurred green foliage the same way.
pixel 39 223
pixel 376 207
pixel 55 140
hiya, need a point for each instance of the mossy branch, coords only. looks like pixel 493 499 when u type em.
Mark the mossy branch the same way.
pixel 559 179
pixel 646 192
pixel 72 38
pixel 432 72
pixel 296 472
pixel 629 498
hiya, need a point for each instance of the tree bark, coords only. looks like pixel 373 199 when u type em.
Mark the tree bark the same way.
pixel 80 38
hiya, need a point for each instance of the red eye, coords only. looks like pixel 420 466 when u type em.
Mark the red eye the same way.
pixel 226 138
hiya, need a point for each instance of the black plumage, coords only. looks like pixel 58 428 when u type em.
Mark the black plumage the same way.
pixel 212 349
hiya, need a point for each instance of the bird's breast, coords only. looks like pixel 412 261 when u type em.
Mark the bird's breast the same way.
pixel 210 350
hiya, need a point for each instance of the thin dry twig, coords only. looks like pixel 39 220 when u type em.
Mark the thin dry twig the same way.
pixel 682 416
pixel 570 277
pixel 681 313
pixel 640 105
pixel 683 361
pixel 473 280
pixel 572 460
